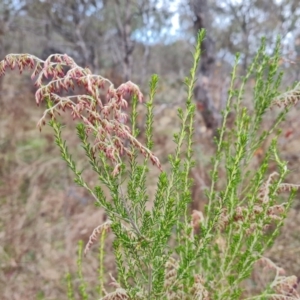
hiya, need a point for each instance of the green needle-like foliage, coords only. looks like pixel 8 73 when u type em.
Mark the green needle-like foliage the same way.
pixel 167 251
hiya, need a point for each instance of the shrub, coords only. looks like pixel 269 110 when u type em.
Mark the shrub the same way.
pixel 169 252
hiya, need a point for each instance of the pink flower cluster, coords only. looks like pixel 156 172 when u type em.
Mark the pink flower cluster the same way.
pixel 100 107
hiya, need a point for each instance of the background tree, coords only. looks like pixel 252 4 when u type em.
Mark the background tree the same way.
pixel 125 39
pixel 202 19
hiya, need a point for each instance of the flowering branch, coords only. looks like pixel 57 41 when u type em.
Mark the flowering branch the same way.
pixel 103 116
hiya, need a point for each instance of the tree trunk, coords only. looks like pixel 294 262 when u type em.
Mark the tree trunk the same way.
pixel 202 94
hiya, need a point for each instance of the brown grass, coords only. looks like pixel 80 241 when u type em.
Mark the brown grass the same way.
pixel 44 214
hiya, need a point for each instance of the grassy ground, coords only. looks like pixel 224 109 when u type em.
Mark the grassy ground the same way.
pixel 43 213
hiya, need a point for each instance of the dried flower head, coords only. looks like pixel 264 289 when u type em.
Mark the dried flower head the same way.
pixel 96 232
pixel 197 219
pixel 198 289
pixel 118 294
pixel 103 116
pixel 263 193
pixel 285 287
pixel 290 97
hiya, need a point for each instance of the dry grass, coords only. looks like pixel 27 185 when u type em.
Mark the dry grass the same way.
pixel 44 214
